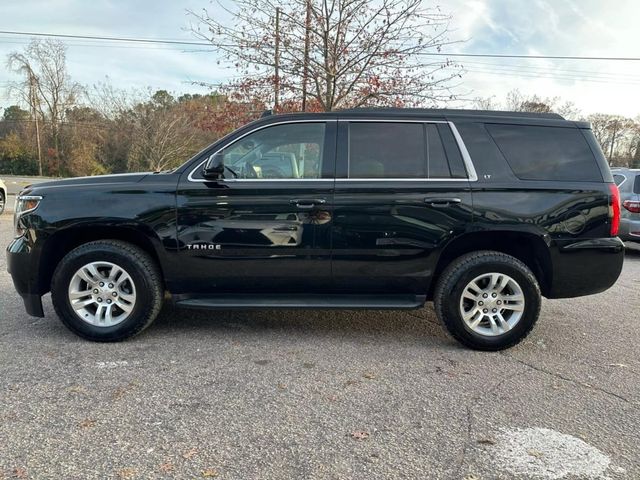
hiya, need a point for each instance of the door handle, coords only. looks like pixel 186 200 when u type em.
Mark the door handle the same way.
pixel 441 202
pixel 307 203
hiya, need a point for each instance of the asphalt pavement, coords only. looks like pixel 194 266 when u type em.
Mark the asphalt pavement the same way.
pixel 322 395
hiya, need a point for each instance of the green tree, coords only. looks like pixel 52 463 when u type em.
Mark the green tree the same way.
pixel 15 113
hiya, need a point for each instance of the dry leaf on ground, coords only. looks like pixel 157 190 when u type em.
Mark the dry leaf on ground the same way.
pixel 190 453
pixel 359 435
pixel 126 473
pixel 87 423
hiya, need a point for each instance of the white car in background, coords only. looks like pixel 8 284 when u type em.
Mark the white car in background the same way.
pixel 3 196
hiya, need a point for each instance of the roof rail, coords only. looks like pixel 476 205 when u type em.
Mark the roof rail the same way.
pixel 455 111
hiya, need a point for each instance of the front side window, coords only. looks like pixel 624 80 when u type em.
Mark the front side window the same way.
pixel 286 151
pixel 380 150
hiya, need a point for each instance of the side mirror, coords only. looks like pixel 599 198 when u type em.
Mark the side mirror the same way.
pixel 214 168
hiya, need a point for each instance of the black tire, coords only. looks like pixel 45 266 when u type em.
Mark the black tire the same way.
pixel 3 202
pixel 138 264
pixel 460 272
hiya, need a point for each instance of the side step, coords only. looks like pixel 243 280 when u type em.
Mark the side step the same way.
pixel 305 301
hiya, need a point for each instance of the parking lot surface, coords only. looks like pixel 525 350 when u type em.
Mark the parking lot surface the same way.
pixel 322 395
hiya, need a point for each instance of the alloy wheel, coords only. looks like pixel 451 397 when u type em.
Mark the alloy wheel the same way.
pixel 102 294
pixel 492 304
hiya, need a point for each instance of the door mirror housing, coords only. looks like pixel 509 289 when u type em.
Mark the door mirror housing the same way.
pixel 214 168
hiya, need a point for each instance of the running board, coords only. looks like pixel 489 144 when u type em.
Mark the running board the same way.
pixel 302 301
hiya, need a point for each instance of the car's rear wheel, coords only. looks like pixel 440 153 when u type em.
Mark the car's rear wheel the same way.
pixel 488 300
pixel 3 202
pixel 107 290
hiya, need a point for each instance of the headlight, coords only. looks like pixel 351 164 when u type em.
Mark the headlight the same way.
pixel 24 205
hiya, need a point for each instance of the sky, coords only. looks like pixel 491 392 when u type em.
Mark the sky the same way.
pixel 532 27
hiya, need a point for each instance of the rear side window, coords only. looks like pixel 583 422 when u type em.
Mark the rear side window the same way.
pixel 386 150
pixel 546 153
pixel 636 185
pixel 619 179
pixel 403 150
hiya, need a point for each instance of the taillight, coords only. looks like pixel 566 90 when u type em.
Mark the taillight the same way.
pixel 633 207
pixel 614 209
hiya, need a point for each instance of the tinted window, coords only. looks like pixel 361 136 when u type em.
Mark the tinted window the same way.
pixel 546 153
pixel 618 179
pixel 387 150
pixel 453 154
pixel 402 150
pixel 437 165
pixel 282 151
pixel 636 185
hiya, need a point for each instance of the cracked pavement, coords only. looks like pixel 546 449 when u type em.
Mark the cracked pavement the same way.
pixel 288 394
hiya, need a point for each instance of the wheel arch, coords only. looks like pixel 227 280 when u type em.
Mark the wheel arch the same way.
pixel 64 241
pixel 529 248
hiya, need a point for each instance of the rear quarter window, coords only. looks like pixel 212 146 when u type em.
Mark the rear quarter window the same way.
pixel 636 185
pixel 546 153
pixel 619 179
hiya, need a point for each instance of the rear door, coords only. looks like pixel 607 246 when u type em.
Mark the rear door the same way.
pixel 402 192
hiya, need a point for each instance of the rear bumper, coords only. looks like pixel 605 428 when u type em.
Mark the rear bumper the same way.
pixel 585 267
pixel 629 230
pixel 23 268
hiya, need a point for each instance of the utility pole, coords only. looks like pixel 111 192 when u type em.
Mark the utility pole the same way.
pixel 33 100
pixel 307 39
pixel 277 63
pixel 613 140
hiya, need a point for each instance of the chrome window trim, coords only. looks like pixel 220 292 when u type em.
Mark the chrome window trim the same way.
pixel 472 176
pixel 284 122
pixel 466 158
pixel 462 179
pixel 266 180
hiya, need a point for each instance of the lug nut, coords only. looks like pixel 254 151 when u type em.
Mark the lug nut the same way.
pixel 494 295
pixel 99 299
pixel 494 310
pixel 95 290
pixel 479 303
pixel 485 310
pixel 111 285
pixel 115 294
pixel 499 302
pixel 109 301
pixel 102 284
pixel 484 295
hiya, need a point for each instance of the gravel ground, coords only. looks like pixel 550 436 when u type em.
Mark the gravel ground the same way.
pixel 322 395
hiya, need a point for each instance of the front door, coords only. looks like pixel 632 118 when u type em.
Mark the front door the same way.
pixel 402 192
pixel 265 227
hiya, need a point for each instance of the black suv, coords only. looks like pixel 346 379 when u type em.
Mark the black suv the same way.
pixel 481 212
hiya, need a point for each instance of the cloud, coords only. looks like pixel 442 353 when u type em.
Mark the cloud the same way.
pixel 561 27
pixel 558 27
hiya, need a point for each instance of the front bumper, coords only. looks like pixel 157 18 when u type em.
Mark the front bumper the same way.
pixel 23 267
pixel 585 267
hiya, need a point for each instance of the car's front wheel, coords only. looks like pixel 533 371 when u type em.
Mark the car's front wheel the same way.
pixel 488 300
pixel 3 202
pixel 107 290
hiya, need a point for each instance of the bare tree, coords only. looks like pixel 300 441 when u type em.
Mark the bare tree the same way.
pixel 341 53
pixel 47 86
pixel 618 136
pixel 162 134
pixel 516 101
